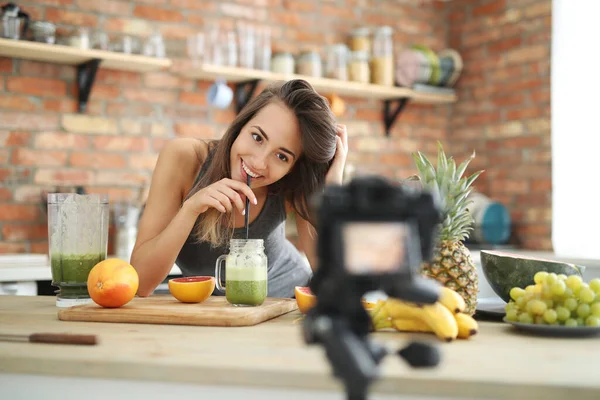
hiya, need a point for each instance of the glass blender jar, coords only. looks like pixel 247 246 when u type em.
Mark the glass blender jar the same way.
pixel 78 240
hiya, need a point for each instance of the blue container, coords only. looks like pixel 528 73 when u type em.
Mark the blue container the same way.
pixel 492 222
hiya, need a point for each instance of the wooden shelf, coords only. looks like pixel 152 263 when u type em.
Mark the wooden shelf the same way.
pixel 394 98
pixel 60 54
pixel 322 85
pixel 86 61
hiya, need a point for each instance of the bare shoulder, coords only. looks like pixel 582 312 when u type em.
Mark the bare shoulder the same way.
pixel 188 150
pixel 180 160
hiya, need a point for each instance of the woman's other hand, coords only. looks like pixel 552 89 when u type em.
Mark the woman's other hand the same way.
pixel 336 170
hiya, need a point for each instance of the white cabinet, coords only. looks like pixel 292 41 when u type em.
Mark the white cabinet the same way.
pixel 26 288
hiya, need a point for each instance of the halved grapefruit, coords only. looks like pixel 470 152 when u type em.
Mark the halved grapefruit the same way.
pixel 304 298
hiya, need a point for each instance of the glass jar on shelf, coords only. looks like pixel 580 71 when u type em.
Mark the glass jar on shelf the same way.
pixel 309 64
pixel 230 48
pixel 336 62
pixel 283 63
pixel 360 40
pixel 43 31
pixel 79 38
pixel 263 48
pixel 382 60
pixel 358 67
pixel 99 40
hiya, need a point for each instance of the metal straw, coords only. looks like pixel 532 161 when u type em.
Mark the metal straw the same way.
pixel 247 213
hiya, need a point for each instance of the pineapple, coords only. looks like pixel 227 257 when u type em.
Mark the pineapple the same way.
pixel 451 263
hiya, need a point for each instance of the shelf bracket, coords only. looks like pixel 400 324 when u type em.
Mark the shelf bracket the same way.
pixel 86 74
pixel 243 93
pixel 389 115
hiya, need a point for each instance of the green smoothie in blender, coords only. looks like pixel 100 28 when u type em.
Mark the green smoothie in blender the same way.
pixel 78 239
pixel 70 272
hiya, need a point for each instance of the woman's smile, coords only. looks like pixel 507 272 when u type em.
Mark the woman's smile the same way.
pixel 246 171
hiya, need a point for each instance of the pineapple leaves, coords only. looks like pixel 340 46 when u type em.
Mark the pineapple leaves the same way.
pixel 451 173
pixel 472 178
pixel 463 166
pixel 420 164
pixel 428 168
pixel 442 164
pixel 446 182
pixel 462 197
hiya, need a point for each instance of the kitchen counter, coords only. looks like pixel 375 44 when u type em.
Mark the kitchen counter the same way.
pixel 37 271
pixel 497 363
pixel 21 279
pixel 21 273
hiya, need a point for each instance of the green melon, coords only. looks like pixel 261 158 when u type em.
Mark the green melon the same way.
pixel 504 271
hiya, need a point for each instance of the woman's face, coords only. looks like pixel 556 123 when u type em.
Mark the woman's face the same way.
pixel 267 147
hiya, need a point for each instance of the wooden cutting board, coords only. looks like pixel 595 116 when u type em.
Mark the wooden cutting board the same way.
pixel 165 309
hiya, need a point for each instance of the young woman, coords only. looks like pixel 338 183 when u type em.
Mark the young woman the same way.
pixel 287 141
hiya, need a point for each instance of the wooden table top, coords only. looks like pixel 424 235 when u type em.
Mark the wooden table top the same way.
pixel 498 360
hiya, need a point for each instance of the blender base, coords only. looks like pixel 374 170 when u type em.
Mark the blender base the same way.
pixel 66 303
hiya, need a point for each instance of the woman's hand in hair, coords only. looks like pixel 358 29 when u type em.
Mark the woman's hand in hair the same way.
pixel 223 195
pixel 336 170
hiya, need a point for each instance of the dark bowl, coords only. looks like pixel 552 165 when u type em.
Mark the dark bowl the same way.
pixel 505 271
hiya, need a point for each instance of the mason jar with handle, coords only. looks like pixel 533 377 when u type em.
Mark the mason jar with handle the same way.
pixel 245 273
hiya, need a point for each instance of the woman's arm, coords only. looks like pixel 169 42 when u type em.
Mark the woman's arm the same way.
pixel 307 237
pixel 166 223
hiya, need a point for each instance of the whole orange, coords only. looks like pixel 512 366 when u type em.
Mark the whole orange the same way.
pixel 304 298
pixel 112 283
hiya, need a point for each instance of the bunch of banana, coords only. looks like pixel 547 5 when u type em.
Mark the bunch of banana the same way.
pixel 444 318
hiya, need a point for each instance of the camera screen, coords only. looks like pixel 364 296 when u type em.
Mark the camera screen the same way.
pixel 375 247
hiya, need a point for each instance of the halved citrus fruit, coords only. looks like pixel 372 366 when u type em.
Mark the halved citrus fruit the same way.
pixel 193 289
pixel 307 300
pixel 304 298
pixel 367 304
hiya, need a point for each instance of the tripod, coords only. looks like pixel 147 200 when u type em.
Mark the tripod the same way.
pixel 355 358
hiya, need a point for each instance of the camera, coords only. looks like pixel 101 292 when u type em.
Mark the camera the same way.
pixel 373 235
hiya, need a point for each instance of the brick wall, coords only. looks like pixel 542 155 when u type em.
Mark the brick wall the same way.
pixel 45 143
pixel 503 110
pixel 504 106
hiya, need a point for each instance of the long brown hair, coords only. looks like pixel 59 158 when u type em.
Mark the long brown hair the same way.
pixel 318 136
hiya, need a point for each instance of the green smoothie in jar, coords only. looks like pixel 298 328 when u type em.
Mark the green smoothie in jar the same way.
pixel 246 286
pixel 246 273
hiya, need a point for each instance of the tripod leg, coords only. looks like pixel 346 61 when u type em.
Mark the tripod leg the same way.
pixel 420 355
pixel 357 396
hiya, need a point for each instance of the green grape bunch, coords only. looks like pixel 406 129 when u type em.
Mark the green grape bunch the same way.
pixel 556 299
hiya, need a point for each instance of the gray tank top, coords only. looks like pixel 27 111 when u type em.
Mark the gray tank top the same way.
pixel 287 268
